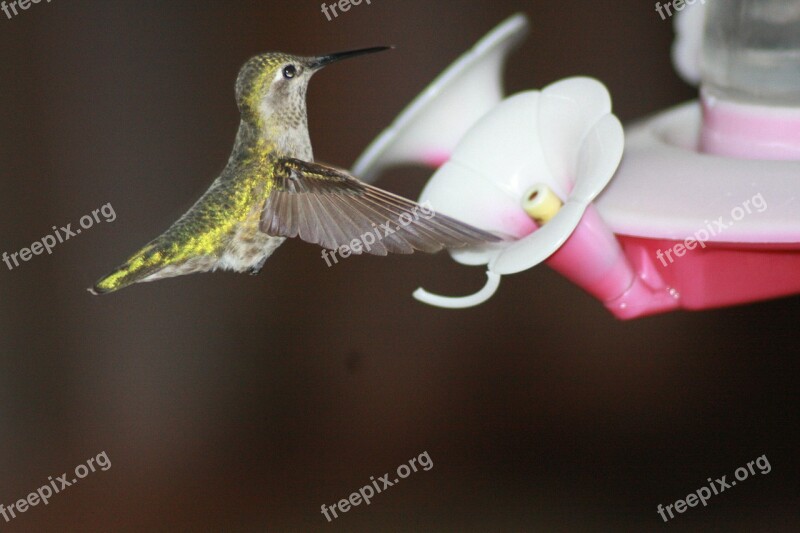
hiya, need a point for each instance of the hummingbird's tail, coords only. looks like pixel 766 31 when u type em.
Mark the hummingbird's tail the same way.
pixel 143 264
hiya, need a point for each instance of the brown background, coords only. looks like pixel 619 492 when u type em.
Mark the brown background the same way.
pixel 244 403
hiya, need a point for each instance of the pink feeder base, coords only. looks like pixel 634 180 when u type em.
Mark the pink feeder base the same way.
pixel 721 274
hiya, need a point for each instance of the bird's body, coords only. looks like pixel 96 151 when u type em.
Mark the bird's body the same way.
pixel 220 231
pixel 270 189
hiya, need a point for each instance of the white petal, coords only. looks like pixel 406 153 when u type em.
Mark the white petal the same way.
pixel 505 145
pixel 567 110
pixel 541 244
pixel 465 195
pixel 598 158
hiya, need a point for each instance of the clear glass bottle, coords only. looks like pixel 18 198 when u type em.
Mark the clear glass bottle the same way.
pixel 751 52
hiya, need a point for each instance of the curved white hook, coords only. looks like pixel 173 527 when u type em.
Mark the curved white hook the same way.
pixel 461 302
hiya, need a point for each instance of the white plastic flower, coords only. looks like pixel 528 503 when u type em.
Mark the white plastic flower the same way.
pixel 534 151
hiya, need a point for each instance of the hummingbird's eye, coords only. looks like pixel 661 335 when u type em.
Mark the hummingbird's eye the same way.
pixel 289 72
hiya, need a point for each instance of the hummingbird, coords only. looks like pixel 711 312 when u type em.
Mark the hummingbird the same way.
pixel 271 189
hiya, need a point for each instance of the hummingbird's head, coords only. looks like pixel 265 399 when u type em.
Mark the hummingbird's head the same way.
pixel 271 87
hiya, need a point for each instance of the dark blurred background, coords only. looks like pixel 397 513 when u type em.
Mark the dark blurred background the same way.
pixel 238 403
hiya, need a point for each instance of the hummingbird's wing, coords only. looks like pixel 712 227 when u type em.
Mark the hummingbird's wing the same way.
pixel 328 207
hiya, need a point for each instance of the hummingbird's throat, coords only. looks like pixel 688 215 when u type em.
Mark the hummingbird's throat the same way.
pixel 286 128
pixel 291 141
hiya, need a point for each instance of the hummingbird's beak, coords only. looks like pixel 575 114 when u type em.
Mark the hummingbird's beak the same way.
pixel 321 61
